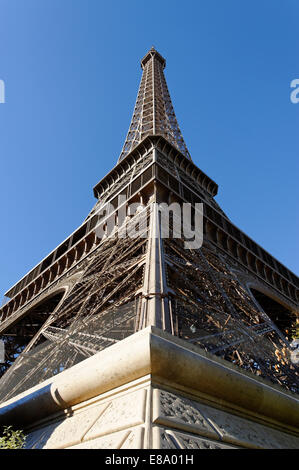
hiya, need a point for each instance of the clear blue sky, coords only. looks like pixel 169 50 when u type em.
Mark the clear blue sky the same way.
pixel 71 70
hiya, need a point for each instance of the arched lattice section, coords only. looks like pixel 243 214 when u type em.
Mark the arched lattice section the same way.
pixel 281 316
pixel 19 334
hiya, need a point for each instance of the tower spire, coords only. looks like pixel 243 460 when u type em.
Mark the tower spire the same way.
pixel 153 113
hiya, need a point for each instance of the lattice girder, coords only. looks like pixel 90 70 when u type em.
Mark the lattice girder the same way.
pixel 153 113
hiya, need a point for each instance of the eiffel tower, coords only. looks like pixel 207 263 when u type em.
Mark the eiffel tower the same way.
pixel 229 298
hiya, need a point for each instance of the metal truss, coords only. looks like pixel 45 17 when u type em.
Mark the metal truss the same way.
pixel 123 284
pixel 153 113
pixel 212 309
pixel 101 309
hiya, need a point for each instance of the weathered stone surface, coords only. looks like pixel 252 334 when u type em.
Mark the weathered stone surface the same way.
pixel 247 433
pixel 93 422
pixel 134 439
pixel 113 420
pixel 179 412
pixel 123 412
pixel 112 441
pixel 66 432
pixel 166 358
pixel 128 439
pixel 170 439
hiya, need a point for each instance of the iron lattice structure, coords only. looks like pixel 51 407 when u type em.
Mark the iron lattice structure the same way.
pixel 228 297
pixel 153 113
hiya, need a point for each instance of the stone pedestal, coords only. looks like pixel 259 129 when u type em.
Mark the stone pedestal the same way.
pixel 155 391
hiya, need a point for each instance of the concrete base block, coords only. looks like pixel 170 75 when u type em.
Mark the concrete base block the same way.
pixel 154 391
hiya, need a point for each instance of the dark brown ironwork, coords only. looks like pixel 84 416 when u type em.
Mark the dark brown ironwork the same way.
pixel 229 297
pixel 153 113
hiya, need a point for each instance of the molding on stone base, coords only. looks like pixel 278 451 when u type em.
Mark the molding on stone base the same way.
pixel 168 361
